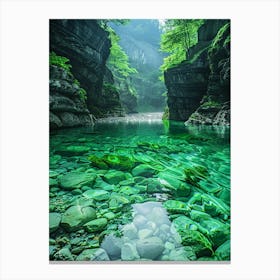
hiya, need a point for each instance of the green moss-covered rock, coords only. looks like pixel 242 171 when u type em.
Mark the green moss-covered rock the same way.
pixel 143 170
pixel 217 231
pixel 97 162
pixel 76 216
pixel 118 162
pixel 194 174
pixel 223 251
pixel 76 180
pixel 114 177
pixel 96 225
pixel 200 244
pixel 176 207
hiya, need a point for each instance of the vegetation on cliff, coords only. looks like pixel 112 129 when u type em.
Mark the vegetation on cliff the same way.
pixel 179 35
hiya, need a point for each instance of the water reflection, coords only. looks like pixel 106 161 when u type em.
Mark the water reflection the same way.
pixel 150 236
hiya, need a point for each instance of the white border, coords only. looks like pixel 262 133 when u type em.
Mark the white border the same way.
pixel 24 138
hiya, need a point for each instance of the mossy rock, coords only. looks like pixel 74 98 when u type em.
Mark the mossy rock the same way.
pixel 194 174
pixel 200 244
pixel 176 207
pixel 118 162
pixel 97 162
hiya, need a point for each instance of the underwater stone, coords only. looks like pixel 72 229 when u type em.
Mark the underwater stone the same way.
pixel 89 254
pixel 194 174
pixel 143 170
pixel 140 221
pixel 128 190
pixel 197 241
pixel 150 248
pixel 129 252
pixel 117 202
pixel 96 225
pixel 144 233
pixel 109 216
pixel 174 206
pixel 182 254
pixel 130 231
pixel 76 180
pixel 223 251
pixel 118 162
pixel 54 221
pixel 199 216
pixel 76 216
pixel 98 195
pixel 72 150
pixel 114 177
pixel 99 255
pixel 112 245
pixel 217 231
pixel 53 182
pixel 97 162
pixel 64 254
pixel 99 183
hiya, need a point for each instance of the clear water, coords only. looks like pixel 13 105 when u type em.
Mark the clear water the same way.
pixel 140 189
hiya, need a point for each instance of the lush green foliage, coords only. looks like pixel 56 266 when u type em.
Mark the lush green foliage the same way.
pixel 60 61
pixel 179 35
pixel 118 60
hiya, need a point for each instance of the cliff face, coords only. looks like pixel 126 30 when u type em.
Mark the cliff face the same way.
pixel 67 109
pixel 199 89
pixel 87 47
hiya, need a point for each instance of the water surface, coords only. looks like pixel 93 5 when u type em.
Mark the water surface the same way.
pixel 140 189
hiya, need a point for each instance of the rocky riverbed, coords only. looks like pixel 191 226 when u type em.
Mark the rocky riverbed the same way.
pixel 139 190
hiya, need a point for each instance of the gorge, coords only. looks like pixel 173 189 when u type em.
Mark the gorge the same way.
pixel 130 180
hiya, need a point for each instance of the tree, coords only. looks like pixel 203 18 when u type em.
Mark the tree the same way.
pixel 118 59
pixel 179 35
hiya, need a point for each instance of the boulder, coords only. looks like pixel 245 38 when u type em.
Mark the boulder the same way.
pixel 75 180
pixel 129 252
pixel 96 225
pixel 98 195
pixel 76 216
pixel 54 221
pixel 143 170
pixel 150 248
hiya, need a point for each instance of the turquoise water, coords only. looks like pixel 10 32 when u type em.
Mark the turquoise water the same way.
pixel 139 189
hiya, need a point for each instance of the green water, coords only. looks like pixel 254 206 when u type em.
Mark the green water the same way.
pixel 138 189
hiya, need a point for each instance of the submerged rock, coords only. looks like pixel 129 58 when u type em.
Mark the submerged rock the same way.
pixel 54 221
pixel 75 180
pixel 112 245
pixel 223 251
pixel 150 248
pixel 98 195
pixel 129 252
pixel 72 150
pixel 114 177
pixel 118 162
pixel 143 170
pixel 64 254
pixel 96 225
pixel 76 216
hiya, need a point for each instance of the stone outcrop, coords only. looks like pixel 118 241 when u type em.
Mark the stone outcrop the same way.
pixel 199 89
pixel 67 109
pixel 87 46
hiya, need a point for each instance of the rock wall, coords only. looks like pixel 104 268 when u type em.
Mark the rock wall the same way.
pixel 87 47
pixel 67 109
pixel 199 89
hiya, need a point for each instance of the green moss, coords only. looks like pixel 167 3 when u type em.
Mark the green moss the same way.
pixel 97 162
pixel 109 88
pixel 194 174
pixel 60 61
pixel 118 162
